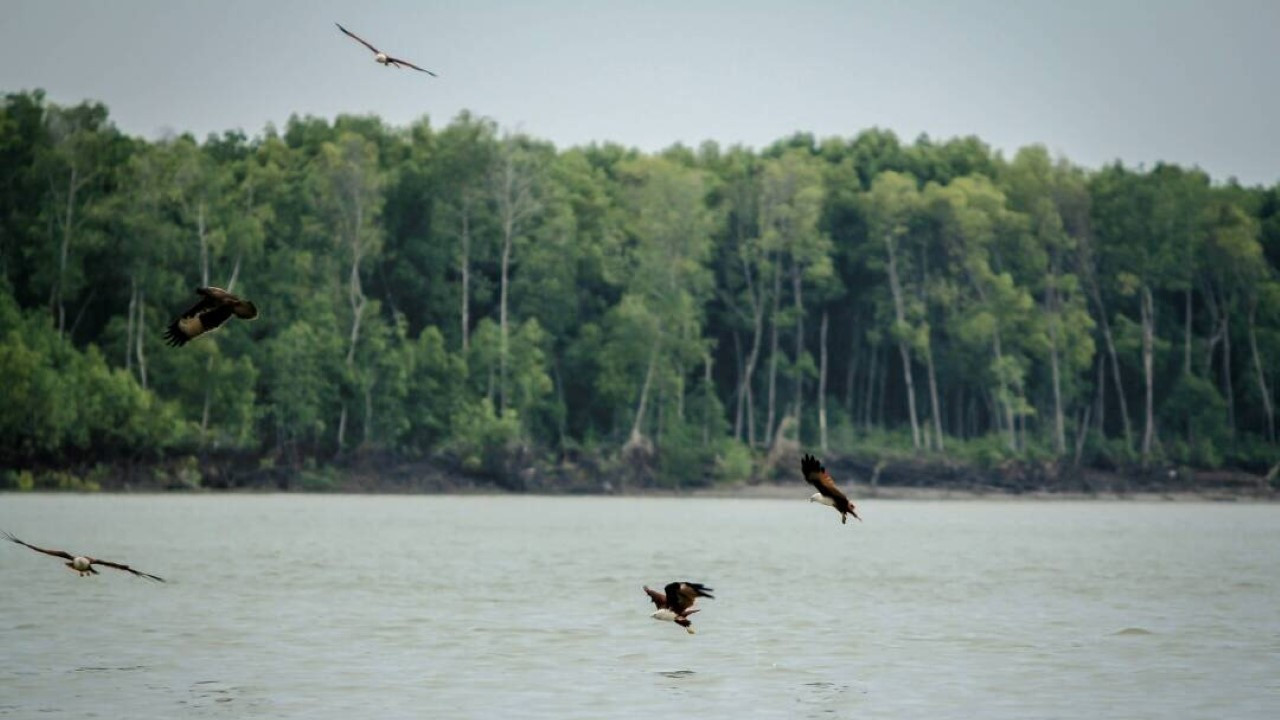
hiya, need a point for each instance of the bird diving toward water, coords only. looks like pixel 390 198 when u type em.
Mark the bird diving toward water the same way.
pixel 381 57
pixel 675 604
pixel 828 493
pixel 82 564
pixel 215 307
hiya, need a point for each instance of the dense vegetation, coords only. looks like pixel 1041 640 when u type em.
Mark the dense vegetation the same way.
pixel 486 302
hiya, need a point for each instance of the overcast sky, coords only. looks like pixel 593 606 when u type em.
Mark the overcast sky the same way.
pixel 1094 80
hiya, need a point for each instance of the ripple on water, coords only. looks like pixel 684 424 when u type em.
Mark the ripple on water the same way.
pixel 1133 632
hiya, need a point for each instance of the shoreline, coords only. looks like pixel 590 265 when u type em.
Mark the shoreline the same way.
pixel 759 491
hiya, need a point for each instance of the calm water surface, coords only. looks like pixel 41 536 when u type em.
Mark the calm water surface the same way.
pixel 531 607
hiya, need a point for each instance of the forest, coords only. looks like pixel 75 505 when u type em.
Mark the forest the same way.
pixel 486 305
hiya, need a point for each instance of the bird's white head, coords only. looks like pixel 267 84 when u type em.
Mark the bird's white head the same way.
pixel 665 615
pixel 380 58
pixel 820 498
pixel 80 563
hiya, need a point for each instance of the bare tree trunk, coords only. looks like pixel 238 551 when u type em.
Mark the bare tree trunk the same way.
pixel 1259 373
pixel 773 357
pixel 1186 334
pixel 129 327
pixel 368 410
pixel 1095 293
pixel 1148 361
pixel 235 273
pixel 708 394
pixel 869 392
pixel 900 314
pixel 753 357
pixel 142 357
pixel 342 426
pixel 797 292
pixel 204 245
pixel 1228 386
pixel 933 398
pixel 504 333
pixel 465 267
pixel 64 251
pixel 739 400
pixel 641 405
pixel 822 383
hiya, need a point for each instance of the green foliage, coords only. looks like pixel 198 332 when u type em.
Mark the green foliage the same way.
pixel 671 301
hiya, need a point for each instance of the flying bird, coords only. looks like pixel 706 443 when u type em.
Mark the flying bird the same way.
pixel 381 57
pixel 828 493
pixel 82 564
pixel 215 307
pixel 675 604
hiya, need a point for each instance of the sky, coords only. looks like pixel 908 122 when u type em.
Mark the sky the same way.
pixel 1196 83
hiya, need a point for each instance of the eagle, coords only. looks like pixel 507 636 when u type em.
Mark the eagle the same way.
pixel 828 493
pixel 381 57
pixel 82 564
pixel 675 604
pixel 215 307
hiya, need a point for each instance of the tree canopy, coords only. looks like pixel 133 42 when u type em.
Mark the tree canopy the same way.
pixel 490 301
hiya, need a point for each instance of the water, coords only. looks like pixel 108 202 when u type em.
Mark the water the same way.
pixel 531 607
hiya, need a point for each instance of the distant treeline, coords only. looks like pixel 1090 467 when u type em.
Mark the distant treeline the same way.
pixel 485 300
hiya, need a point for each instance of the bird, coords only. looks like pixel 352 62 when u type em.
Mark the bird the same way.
pixel 381 57
pixel 675 604
pixel 215 307
pixel 828 493
pixel 83 564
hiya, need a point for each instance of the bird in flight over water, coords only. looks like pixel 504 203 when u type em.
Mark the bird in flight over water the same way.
pixel 82 564
pixel 215 307
pixel 675 603
pixel 381 57
pixel 828 494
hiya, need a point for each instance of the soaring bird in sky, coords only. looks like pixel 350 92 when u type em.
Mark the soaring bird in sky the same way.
pixel 675 604
pixel 381 57
pixel 828 493
pixel 215 307
pixel 82 564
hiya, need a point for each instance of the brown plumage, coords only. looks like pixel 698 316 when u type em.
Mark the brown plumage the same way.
pixel 81 563
pixel 676 603
pixel 828 493
pixel 215 307
pixel 381 57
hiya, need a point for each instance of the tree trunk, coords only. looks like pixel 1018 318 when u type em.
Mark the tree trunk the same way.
pixel 1186 334
pixel 638 422
pixel 465 267
pixel 368 411
pixel 933 398
pixel 822 383
pixel 1148 360
pixel 235 273
pixel 1228 386
pixel 1260 374
pixel 900 314
pixel 129 327
pixel 753 357
pixel 204 245
pixel 64 251
pixel 342 427
pixel 508 230
pixel 797 292
pixel 739 401
pixel 140 335
pixel 773 357
pixel 1096 294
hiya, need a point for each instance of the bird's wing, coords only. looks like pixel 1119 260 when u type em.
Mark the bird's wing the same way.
pixel 245 310
pixel 207 302
pixel 659 600
pixel 213 318
pixel 359 39
pixel 682 595
pixel 126 568
pixel 406 63
pixel 56 553
pixel 818 477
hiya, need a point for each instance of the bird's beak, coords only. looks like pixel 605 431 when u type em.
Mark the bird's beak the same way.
pixel 855 514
